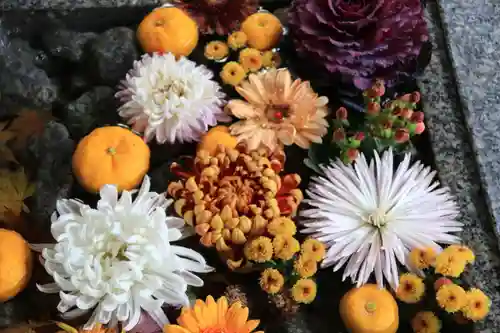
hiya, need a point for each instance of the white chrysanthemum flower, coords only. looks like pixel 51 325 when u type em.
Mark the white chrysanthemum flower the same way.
pixel 117 259
pixel 370 215
pixel 171 100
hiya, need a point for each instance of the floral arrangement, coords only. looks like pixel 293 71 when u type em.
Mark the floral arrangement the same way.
pixel 222 122
pixel 440 289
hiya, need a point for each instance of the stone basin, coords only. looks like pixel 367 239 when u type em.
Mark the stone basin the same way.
pixel 462 143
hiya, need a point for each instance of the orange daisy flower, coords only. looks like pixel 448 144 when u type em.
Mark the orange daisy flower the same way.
pixel 278 111
pixel 214 317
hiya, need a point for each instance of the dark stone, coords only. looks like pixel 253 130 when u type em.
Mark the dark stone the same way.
pixel 161 177
pixel 78 84
pixel 112 55
pixel 92 109
pixel 21 81
pixel 53 152
pixel 66 44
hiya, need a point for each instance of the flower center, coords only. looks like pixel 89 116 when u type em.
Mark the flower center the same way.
pixel 116 250
pixel 215 2
pixel 214 330
pixel 235 192
pixel 377 219
pixel 277 112
pixel 168 90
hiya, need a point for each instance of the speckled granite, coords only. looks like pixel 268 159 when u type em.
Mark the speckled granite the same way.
pixel 473 37
pixel 455 159
pixel 71 4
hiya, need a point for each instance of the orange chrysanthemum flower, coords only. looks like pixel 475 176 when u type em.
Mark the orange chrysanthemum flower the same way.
pixel 278 111
pixel 212 317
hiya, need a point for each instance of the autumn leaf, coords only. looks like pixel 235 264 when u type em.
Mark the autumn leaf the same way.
pixel 27 124
pixel 14 189
pixel 6 153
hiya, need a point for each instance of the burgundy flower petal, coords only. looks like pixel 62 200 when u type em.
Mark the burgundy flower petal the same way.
pixel 361 39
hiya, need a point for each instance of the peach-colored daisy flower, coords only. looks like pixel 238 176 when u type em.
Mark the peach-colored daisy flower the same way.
pixel 278 111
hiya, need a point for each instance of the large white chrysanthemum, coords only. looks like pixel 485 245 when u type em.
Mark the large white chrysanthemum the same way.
pixel 117 259
pixel 171 100
pixel 371 215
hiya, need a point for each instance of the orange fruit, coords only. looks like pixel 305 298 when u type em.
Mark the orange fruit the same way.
pixel 369 309
pixel 263 30
pixel 168 29
pixel 111 155
pixel 218 135
pixel 15 264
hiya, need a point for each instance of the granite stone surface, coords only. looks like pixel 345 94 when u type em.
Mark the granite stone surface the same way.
pixel 473 34
pixel 71 4
pixel 455 159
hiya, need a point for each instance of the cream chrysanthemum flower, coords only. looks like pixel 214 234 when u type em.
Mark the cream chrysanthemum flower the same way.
pixel 171 100
pixel 117 258
pixel 370 215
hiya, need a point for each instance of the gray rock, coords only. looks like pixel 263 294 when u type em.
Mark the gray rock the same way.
pixel 53 152
pixel 21 81
pixel 112 55
pixel 93 108
pixel 67 44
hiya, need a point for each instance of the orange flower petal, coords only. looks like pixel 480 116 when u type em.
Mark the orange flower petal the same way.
pixel 222 307
pixel 188 320
pixel 176 329
pixel 200 313
pixel 237 316
pixel 250 326
pixel 242 109
pixel 211 311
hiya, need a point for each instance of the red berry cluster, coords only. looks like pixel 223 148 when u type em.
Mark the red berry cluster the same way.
pixel 389 124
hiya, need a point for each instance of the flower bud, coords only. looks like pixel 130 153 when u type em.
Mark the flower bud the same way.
pixel 386 133
pixel 379 88
pixel 259 225
pixel 397 111
pixel 407 113
pixel 338 135
pixel 405 98
pixel 401 135
pixel 245 224
pixel 226 213
pixel 350 155
pixel 238 237
pixel 341 113
pixel 371 93
pixel 417 117
pixel 415 97
pixel 420 128
pixel 360 136
pixel 441 282
pixel 216 223
pixel 373 108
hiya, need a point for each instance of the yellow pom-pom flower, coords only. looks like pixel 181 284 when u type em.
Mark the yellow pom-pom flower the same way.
pixel 304 291
pixel 259 250
pixel 285 247
pixel 422 258
pixel 426 322
pixel 216 50
pixel 313 248
pixel 250 59
pixel 449 264
pixel 271 59
pixel 305 266
pixel 411 288
pixel 462 252
pixel 451 298
pixel 477 305
pixel 271 281
pixel 237 40
pixel 282 226
pixel 232 73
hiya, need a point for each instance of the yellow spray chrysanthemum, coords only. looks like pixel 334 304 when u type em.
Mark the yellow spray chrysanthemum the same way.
pixel 237 40
pixel 451 298
pixel 462 252
pixel 305 266
pixel 271 280
pixel 260 249
pixel 250 59
pixel 304 291
pixel 285 247
pixel 411 288
pixel 422 258
pixel 282 226
pixel 216 50
pixel 271 59
pixel 313 248
pixel 426 322
pixel 233 73
pixel 449 264
pixel 477 305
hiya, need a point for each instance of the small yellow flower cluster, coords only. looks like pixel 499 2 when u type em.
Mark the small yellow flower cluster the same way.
pixel 285 254
pixel 248 60
pixel 471 305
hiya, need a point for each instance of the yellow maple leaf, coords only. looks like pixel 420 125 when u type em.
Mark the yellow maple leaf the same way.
pixel 6 153
pixel 27 124
pixel 14 189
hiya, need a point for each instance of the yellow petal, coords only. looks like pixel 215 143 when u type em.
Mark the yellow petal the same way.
pixel 222 310
pixel 175 329
pixel 188 320
pixel 237 317
pixel 211 311
pixel 250 326
pixel 200 313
